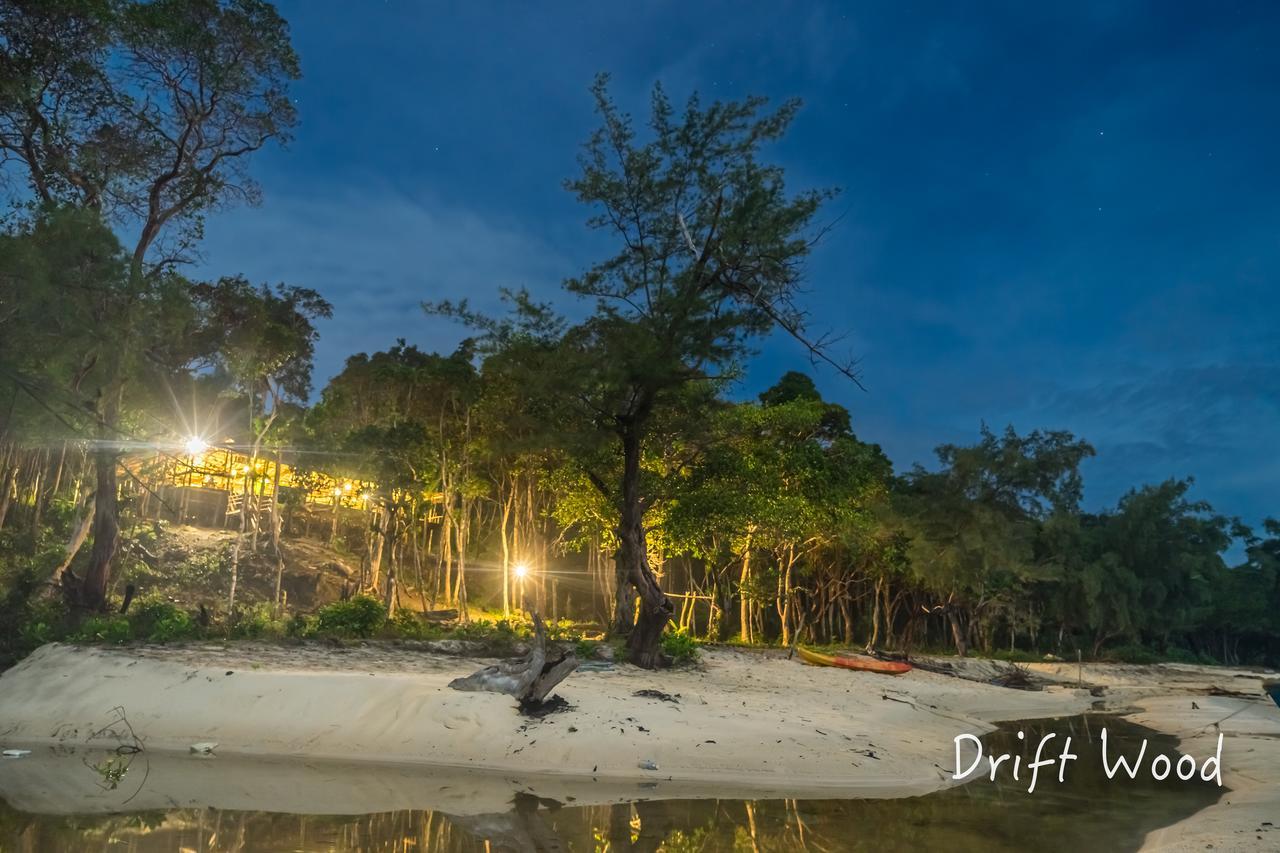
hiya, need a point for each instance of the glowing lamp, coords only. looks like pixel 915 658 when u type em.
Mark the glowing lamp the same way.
pixel 521 570
pixel 196 445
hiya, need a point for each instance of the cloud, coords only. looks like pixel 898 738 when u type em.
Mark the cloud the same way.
pixel 1216 422
pixel 376 254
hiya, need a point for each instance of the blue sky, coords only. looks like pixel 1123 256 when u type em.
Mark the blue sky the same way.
pixel 1052 215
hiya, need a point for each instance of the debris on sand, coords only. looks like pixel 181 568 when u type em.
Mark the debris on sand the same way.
pixel 545 708
pixel 1017 678
pixel 659 695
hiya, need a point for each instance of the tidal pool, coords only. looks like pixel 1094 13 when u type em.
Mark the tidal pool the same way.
pixel 146 802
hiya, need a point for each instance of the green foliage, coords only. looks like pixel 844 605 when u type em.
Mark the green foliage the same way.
pixel 301 625
pixel 44 622
pixel 679 646
pixel 498 637
pixel 159 621
pixel 1180 655
pixel 258 622
pixel 360 616
pixel 1014 656
pixel 1132 653
pixel 112 630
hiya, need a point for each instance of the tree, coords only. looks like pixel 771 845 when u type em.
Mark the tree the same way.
pixel 65 298
pixel 407 419
pixel 973 524
pixel 146 112
pixel 264 340
pixel 709 257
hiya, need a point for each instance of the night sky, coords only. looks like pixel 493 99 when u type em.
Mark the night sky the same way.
pixel 1060 216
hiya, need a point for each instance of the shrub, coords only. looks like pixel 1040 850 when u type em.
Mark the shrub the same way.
pixel 1132 653
pixel 252 623
pixel 359 616
pixel 408 626
pixel 1016 656
pixel 301 625
pixel 679 646
pixel 103 629
pixel 1176 655
pixel 159 621
pixel 44 622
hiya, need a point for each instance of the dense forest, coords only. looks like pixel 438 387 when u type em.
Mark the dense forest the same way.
pixel 593 457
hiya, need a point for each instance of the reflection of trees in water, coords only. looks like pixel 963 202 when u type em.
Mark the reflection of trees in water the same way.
pixel 530 827
pixel 1088 811
pixel 957 820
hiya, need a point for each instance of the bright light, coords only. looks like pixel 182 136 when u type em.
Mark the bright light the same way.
pixel 346 487
pixel 521 570
pixel 196 445
pixel 366 496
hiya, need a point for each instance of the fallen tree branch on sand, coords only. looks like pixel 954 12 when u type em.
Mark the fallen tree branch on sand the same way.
pixel 530 678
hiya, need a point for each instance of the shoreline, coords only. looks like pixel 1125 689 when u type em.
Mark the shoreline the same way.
pixel 744 725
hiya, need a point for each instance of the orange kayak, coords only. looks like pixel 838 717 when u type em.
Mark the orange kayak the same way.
pixel 862 662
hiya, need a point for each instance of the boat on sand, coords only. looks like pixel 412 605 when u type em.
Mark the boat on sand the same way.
pixel 860 662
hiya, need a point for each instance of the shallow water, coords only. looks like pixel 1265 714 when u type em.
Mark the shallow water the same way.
pixel 79 802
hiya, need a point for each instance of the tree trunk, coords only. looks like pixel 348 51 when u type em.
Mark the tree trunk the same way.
pixel 506 553
pixel 644 645
pixel 106 533
pixel 6 490
pixel 80 534
pixel 382 522
pixel 275 505
pixel 958 635
pixel 875 616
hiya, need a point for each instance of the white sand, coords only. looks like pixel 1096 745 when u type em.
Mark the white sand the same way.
pixel 745 724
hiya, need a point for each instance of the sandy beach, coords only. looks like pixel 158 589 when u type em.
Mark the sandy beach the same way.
pixel 741 724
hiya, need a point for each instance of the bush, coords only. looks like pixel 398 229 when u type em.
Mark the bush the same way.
pixel 499 636
pixel 359 616
pixel 679 646
pixel 301 625
pixel 1176 655
pixel 1132 653
pixel 256 622
pixel 104 629
pixel 43 622
pixel 158 621
pixel 1016 656
pixel 406 624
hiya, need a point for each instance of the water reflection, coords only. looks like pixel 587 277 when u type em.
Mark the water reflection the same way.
pixel 1087 811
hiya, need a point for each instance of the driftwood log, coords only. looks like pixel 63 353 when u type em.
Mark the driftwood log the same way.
pixel 530 678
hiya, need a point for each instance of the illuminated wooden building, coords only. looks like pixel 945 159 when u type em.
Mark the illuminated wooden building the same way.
pixel 211 486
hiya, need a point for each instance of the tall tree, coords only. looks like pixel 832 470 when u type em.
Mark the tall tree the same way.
pixel 147 112
pixel 710 251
